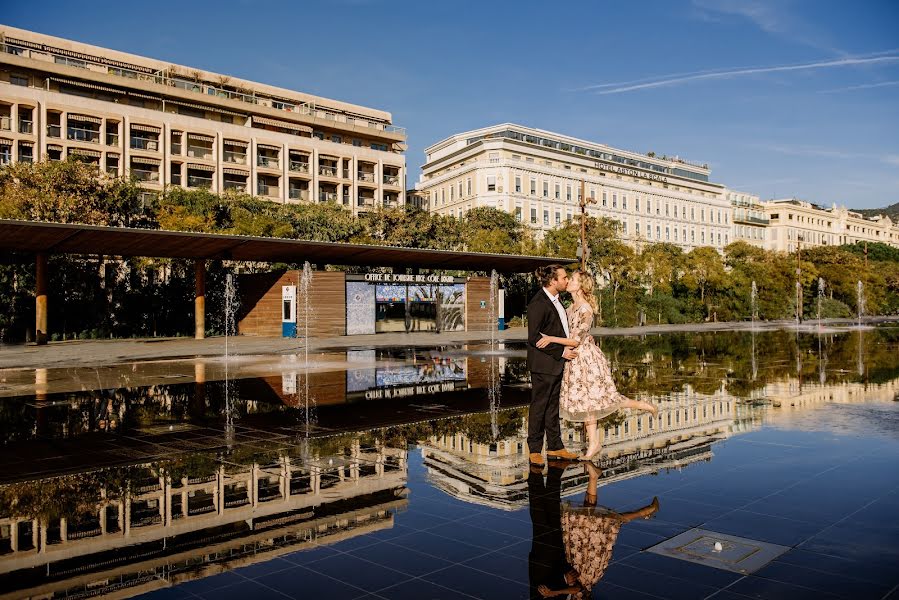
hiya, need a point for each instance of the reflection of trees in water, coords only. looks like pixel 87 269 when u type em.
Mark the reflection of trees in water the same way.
pixel 662 364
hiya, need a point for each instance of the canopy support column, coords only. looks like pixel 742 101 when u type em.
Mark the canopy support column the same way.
pixel 40 299
pixel 200 299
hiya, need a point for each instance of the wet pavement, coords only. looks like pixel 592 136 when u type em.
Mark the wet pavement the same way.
pixel 401 472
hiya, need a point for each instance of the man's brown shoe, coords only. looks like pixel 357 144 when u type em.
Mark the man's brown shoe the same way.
pixel 562 454
pixel 536 459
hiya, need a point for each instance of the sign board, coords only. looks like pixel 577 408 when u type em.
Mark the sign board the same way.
pixel 403 278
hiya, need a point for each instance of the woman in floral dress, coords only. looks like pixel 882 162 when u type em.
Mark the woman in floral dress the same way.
pixel 588 391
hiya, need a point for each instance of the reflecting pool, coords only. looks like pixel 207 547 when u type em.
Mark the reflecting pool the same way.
pixel 770 472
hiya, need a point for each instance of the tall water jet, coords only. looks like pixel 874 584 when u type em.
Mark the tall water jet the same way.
pixel 492 314
pixel 798 303
pixel 820 298
pixel 753 302
pixel 230 327
pixel 493 323
pixel 860 301
pixel 304 318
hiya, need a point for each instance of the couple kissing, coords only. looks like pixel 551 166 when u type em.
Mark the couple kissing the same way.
pixel 570 375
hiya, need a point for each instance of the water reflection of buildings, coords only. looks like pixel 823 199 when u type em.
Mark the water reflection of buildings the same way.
pixel 495 473
pixel 175 523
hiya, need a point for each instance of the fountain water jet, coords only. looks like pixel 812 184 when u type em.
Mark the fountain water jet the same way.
pixel 231 306
pixel 820 298
pixel 304 315
pixel 860 301
pixel 753 301
pixel 492 323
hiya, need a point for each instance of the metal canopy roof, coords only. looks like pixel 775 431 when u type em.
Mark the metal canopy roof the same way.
pixel 60 238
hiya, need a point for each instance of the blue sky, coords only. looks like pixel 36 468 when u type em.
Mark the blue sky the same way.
pixel 781 98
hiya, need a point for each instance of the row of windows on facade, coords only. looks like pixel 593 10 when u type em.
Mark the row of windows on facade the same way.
pixel 750 233
pixel 637 232
pixel 722 216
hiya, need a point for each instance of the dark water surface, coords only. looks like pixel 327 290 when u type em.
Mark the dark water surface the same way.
pixel 403 473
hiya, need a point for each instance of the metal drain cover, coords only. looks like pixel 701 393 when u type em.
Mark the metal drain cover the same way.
pixel 719 550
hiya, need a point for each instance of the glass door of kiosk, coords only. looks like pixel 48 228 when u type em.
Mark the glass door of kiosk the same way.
pixel 288 311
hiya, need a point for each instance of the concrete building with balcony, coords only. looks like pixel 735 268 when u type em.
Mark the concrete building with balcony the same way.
pixel 748 218
pixel 173 125
pixel 538 175
pixel 794 222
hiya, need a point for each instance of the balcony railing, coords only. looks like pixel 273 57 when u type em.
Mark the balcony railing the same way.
pixel 327 196
pixel 54 131
pixel 299 167
pixel 81 134
pixel 195 181
pixel 203 88
pixel 112 139
pixel 346 199
pixel 26 126
pixel 327 171
pixel 5 123
pixel 363 201
pixel 145 176
pixel 392 179
pixel 268 190
pixel 269 162
pixel 142 143
pixel 237 158
pixel 199 152
pixel 234 185
pixel 298 194
pixel 758 220
pixel 365 176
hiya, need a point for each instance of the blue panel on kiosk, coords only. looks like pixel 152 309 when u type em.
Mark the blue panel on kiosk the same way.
pixel 501 325
pixel 288 329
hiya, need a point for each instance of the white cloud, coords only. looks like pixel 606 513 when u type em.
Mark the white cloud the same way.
pixel 772 17
pixel 884 58
pixel 863 86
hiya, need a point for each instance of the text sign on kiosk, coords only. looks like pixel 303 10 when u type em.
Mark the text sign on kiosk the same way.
pixel 403 278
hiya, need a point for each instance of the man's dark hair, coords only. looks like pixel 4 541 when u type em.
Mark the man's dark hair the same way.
pixel 546 275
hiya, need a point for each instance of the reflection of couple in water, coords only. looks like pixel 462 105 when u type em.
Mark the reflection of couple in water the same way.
pixel 572 545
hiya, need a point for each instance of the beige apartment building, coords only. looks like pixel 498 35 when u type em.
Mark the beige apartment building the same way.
pixel 537 176
pixel 175 125
pixel 748 216
pixel 794 221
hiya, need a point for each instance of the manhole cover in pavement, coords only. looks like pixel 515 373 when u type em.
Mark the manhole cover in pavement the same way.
pixel 719 550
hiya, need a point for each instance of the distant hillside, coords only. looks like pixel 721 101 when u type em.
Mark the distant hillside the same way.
pixel 892 211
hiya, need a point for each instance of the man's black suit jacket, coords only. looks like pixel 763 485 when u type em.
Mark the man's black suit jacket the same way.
pixel 544 318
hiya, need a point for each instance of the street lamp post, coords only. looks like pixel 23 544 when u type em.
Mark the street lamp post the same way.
pixel 583 200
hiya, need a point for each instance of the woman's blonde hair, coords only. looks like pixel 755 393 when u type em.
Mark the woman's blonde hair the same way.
pixel 588 285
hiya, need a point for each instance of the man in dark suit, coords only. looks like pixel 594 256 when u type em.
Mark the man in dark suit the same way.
pixel 546 315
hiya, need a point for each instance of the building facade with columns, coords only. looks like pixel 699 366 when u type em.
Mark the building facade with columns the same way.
pixel 174 125
pixel 794 221
pixel 538 175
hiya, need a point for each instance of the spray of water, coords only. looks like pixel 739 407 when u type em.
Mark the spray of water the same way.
pixel 820 298
pixel 304 318
pixel 493 322
pixel 753 301
pixel 860 301
pixel 230 327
